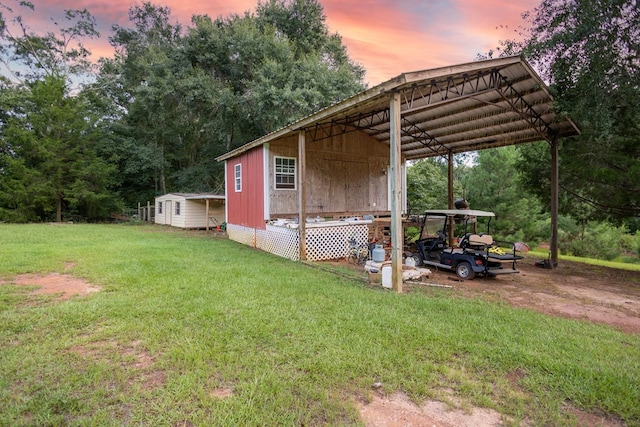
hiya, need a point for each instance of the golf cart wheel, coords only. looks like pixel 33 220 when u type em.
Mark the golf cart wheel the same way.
pixel 464 271
pixel 417 258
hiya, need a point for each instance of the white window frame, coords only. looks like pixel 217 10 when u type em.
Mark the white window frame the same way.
pixel 177 205
pixel 237 177
pixel 159 207
pixel 290 173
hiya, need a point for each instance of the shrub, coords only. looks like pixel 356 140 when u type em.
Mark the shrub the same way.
pixel 599 240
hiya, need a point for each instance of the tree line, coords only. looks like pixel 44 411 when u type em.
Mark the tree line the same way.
pixel 80 138
pixel 153 117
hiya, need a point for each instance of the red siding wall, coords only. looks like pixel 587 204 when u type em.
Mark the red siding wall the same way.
pixel 246 207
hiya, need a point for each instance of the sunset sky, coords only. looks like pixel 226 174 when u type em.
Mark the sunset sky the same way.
pixel 387 37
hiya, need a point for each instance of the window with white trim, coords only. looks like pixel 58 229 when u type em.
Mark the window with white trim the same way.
pixel 159 207
pixel 237 170
pixel 285 173
pixel 177 208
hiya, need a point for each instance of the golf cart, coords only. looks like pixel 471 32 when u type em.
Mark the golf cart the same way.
pixel 475 253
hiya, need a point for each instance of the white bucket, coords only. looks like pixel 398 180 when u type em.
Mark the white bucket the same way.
pixel 410 261
pixel 386 277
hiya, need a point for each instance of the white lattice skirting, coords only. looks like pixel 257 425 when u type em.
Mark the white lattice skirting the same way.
pixel 323 242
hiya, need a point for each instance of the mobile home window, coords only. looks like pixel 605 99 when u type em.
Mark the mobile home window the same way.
pixel 177 208
pixel 159 207
pixel 285 173
pixel 238 177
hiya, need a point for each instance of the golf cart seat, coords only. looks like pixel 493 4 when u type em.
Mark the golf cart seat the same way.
pixel 497 251
pixel 476 241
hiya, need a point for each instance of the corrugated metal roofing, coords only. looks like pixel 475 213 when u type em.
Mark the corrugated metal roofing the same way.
pixel 198 196
pixel 467 107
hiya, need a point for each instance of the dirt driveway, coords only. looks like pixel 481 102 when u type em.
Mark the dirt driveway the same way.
pixel 572 290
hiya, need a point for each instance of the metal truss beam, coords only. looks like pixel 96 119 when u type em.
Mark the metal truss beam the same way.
pixel 428 95
pixel 419 135
pixel 526 111
pixel 436 91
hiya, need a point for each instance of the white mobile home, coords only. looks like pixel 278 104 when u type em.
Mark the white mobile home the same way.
pixel 185 210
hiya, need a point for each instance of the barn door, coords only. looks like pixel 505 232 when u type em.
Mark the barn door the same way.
pixel 338 187
pixel 357 187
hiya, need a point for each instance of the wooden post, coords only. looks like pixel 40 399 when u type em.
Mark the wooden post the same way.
pixel 206 213
pixel 148 211
pixel 302 194
pixel 139 211
pixel 395 154
pixel 555 177
pixel 450 191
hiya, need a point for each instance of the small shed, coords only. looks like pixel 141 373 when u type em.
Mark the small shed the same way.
pixel 187 210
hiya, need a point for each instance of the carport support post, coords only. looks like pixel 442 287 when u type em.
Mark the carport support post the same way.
pixel 450 195
pixel 395 153
pixel 555 177
pixel 302 195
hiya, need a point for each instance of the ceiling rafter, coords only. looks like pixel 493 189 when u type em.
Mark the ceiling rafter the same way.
pixel 416 98
pixel 329 129
pixel 424 152
pixel 458 115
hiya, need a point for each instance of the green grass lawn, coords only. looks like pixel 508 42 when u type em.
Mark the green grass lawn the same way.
pixel 610 264
pixel 183 319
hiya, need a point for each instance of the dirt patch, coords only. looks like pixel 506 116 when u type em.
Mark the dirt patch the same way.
pixel 397 410
pixel 131 356
pixel 221 393
pixel 64 285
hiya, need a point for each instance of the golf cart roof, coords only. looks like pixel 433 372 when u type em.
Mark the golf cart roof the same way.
pixel 452 212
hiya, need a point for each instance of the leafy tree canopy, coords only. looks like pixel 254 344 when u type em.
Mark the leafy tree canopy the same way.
pixel 589 51
pixel 29 54
pixel 185 96
pixel 49 165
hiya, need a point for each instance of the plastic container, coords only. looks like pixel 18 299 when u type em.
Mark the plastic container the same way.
pixel 410 261
pixel 378 254
pixel 386 277
pixel 372 267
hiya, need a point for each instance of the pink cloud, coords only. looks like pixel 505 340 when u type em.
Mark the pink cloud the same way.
pixel 387 37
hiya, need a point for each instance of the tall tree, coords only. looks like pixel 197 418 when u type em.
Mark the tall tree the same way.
pixel 186 97
pixel 589 51
pixel 139 81
pixel 48 164
pixel 30 54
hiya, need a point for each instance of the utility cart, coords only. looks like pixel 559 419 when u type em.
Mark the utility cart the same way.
pixel 475 254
